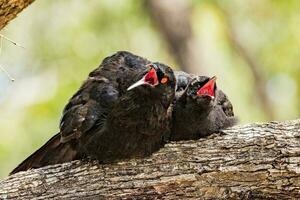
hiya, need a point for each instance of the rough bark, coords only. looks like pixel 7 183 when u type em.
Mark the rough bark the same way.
pixel 256 161
pixel 10 8
pixel 173 22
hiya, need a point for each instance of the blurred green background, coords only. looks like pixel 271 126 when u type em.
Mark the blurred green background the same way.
pixel 252 46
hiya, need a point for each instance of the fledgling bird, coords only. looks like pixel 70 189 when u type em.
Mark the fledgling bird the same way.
pixel 200 108
pixel 119 112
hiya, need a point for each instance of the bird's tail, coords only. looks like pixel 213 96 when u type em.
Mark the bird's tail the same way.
pixel 53 152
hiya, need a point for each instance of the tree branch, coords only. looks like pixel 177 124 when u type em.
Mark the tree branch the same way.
pixel 255 161
pixel 10 8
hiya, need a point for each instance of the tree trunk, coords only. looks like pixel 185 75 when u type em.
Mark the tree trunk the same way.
pixel 173 22
pixel 256 161
pixel 10 8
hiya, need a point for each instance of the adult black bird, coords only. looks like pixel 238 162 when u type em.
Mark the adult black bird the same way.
pixel 120 112
pixel 199 109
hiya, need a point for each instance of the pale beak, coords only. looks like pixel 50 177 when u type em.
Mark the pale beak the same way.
pixel 140 82
pixel 149 79
pixel 214 78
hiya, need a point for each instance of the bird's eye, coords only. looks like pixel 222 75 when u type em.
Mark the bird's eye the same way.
pixel 164 80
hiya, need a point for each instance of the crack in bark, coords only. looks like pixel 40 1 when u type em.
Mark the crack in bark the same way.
pixel 256 161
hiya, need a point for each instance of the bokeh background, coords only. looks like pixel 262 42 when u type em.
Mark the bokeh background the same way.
pixel 252 46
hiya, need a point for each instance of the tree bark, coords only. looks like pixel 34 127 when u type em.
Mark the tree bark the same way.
pixel 10 8
pixel 256 161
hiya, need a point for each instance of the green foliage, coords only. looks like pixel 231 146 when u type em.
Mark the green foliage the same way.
pixel 65 40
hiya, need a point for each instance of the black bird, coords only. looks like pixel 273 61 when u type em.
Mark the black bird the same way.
pixel 199 109
pixel 120 112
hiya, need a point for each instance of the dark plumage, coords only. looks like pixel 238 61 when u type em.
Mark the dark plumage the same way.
pixel 106 121
pixel 199 108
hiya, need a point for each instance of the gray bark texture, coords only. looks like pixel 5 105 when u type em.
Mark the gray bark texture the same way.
pixel 255 161
pixel 10 8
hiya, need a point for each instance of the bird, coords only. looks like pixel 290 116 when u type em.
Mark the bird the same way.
pixel 120 112
pixel 199 108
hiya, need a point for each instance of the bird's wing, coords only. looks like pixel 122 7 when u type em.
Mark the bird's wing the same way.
pixel 87 108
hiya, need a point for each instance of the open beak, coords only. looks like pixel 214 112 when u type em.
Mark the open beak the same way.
pixel 208 89
pixel 149 79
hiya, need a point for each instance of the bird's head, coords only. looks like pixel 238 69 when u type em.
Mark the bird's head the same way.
pixel 158 79
pixel 202 89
